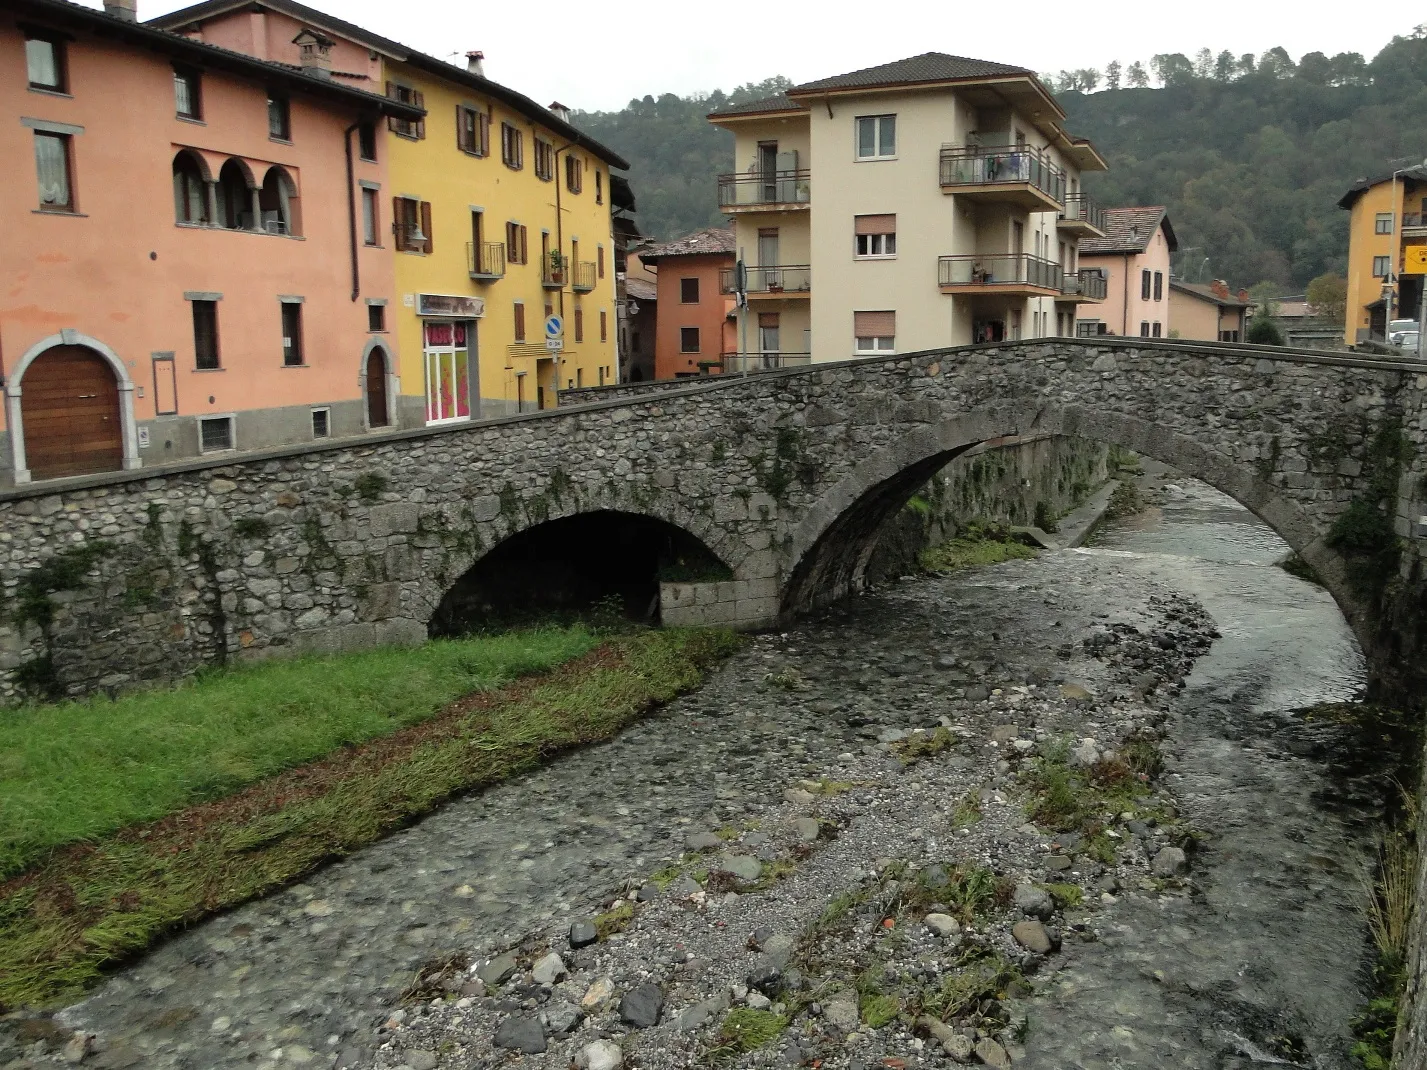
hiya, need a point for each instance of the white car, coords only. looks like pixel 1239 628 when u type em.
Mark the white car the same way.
pixel 1406 340
pixel 1397 328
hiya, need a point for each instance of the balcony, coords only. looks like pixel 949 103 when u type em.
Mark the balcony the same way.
pixel 583 277
pixel 1083 215
pixel 1008 274
pixel 772 282
pixel 765 361
pixel 1009 175
pixel 485 261
pixel 1089 284
pixel 769 191
pixel 1414 225
pixel 553 272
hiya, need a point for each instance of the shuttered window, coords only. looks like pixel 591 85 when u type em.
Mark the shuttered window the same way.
pixel 415 129
pixel 519 321
pixel 875 332
pixel 874 235
pixel 473 130
pixel 411 223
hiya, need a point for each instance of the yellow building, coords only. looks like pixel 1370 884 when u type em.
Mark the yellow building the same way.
pixel 498 214
pixel 1388 214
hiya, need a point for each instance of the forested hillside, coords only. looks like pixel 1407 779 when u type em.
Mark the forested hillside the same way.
pixel 1250 154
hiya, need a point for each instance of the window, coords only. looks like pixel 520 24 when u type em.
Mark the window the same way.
pixel 876 137
pixel 1146 282
pixel 44 60
pixel 768 336
pixel 371 231
pixel 411 223
pixel 447 360
pixel 473 131
pixel 1144 328
pixel 579 324
pixel 376 319
pixel 278 203
pixel 1088 328
pixel 579 376
pixel 599 187
pixel 604 327
pixel 1381 266
pixel 875 332
pixel 279 118
pixel 688 339
pixel 574 174
pixel 511 151
pixel 689 291
pixel 519 321
pixel 544 160
pixel 188 95
pixel 599 258
pixel 205 335
pixel 516 250
pixel 1381 225
pixel 215 433
pixel 1159 285
pixel 411 129
pixel 367 142
pixel 321 423
pixel 291 334
pixel 874 235
pixel 52 167
pixel 1228 336
pixel 1155 329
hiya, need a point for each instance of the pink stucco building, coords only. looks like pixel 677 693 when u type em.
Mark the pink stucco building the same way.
pixel 183 269
pixel 1134 256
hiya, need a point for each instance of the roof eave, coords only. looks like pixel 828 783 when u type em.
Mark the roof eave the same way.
pixel 733 117
pixel 797 92
pixel 197 12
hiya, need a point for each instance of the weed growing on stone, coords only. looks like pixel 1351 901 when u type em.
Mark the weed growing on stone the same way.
pixel 1068 799
pixel 979 975
pixel 968 811
pixel 977 544
pixel 614 921
pixel 921 745
pixel 1125 501
pixel 1065 895
pixel 876 1007
pixel 1296 566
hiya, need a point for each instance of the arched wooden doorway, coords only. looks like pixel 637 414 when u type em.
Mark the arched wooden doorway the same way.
pixel 378 410
pixel 69 402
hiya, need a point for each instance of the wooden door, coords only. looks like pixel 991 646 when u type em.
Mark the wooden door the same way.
pixel 377 413
pixel 69 402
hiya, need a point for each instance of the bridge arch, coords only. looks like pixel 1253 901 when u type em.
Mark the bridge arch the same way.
pixel 832 545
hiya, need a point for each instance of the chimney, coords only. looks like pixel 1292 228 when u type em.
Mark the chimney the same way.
pixel 1220 288
pixel 128 10
pixel 476 63
pixel 315 53
pixel 560 111
pixel 1243 294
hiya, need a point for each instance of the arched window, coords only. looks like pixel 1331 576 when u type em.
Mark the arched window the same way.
pixel 190 189
pixel 279 203
pixel 235 197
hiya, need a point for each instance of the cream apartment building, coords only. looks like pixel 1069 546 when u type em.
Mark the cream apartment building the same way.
pixel 929 202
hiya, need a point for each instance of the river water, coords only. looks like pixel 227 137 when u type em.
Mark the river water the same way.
pixel 1264 963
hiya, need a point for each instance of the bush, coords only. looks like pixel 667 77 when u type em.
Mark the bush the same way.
pixel 1264 332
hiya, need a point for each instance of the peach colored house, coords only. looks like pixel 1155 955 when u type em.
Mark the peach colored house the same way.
pixel 185 272
pixel 1208 313
pixel 1134 256
pixel 694 328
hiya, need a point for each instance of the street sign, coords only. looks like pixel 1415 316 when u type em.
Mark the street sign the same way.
pixel 554 327
pixel 555 345
pixel 1414 260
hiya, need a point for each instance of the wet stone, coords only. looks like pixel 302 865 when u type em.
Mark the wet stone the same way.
pixel 1170 862
pixel 1032 936
pixel 497 970
pixel 583 934
pixel 524 1035
pixel 642 1006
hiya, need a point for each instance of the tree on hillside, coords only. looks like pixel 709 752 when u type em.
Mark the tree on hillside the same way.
pixel 1137 77
pixel 1112 74
pixel 1328 294
pixel 1277 63
pixel 1172 69
pixel 1224 67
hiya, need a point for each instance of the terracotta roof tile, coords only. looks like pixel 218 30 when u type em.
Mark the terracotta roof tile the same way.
pixel 780 102
pixel 1129 230
pixel 928 67
pixel 712 241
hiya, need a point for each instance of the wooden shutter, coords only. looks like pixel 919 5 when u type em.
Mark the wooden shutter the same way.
pixel 874 324
pixel 599 259
pixel 874 224
pixel 604 329
pixel 519 322
pixel 483 132
pixel 398 222
pixel 579 324
pixel 462 142
pixel 419 99
pixel 524 249
pixel 426 226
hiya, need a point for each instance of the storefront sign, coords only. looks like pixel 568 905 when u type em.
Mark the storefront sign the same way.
pixel 1414 260
pixel 466 308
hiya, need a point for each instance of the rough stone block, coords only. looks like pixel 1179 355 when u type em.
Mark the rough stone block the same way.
pixel 393 518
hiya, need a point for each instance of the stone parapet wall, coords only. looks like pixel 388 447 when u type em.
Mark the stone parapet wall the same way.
pixel 746 605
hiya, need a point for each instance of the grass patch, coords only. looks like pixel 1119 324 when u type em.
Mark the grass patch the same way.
pixel 745 1029
pixel 968 811
pixel 614 921
pixel 1066 799
pixel 79 771
pixel 879 1009
pixel 980 975
pixel 978 543
pixel 1065 895
pixel 1125 500
pixel 921 745
pixel 89 907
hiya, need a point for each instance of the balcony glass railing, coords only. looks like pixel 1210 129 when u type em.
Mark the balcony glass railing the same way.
pixel 777 278
pixel 1083 208
pixel 583 277
pixel 486 259
pixel 763 361
pixel 1008 269
pixel 765 188
pixel 1007 165
pixel 1412 219
pixel 1088 283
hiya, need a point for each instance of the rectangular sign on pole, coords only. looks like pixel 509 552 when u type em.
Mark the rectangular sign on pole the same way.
pixel 554 344
pixel 1414 260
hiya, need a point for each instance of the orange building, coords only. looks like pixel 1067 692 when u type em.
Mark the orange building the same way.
pixel 695 330
pixel 184 272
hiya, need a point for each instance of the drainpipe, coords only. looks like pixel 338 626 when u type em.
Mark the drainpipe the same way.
pixel 352 209
pixel 560 249
pixel 1125 304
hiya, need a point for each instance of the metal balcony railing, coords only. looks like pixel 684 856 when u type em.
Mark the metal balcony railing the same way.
pixel 553 276
pixel 1089 283
pixel 765 188
pixel 1006 165
pixel 763 361
pixel 1083 208
pixel 772 279
pixel 976 270
pixel 1412 219
pixel 583 277
pixel 485 260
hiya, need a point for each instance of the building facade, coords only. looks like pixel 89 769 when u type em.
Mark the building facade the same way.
pixel 1133 257
pixel 1207 313
pixel 181 274
pixel 929 202
pixel 695 329
pixel 1388 216
pixel 497 211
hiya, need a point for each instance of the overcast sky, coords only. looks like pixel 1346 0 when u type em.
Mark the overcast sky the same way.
pixel 629 49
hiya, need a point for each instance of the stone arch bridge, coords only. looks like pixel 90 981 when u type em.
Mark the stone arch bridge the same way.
pixel 784 477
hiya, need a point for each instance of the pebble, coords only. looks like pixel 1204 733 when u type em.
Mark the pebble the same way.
pixel 524 1035
pixel 549 970
pixel 944 925
pixel 642 1006
pixel 561 1017
pixel 583 934
pixel 992 1054
pixel 744 867
pixel 807 828
pixel 599 993
pixel 1170 862
pixel 600 1055
pixel 420 1059
pixel 1034 902
pixel 841 1013
pixel 497 970
pixel 1032 936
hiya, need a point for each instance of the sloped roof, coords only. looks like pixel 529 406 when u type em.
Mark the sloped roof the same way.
pixel 778 102
pixel 1129 230
pixel 1362 185
pixel 928 67
pixel 641 289
pixel 1206 293
pixel 711 241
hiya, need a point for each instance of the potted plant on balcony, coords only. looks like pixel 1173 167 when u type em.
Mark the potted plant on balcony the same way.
pixel 557 268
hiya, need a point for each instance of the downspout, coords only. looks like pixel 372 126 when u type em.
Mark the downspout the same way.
pixel 560 250
pixel 1125 303
pixel 352 209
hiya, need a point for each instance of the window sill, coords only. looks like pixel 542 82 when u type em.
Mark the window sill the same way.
pixel 367 159
pixel 294 366
pixel 206 371
pixel 473 153
pixel 406 137
pixel 372 245
pixel 280 140
pixel 194 119
pixel 514 166
pixel 874 256
pixel 59 211
pixel 874 159
pixel 43 91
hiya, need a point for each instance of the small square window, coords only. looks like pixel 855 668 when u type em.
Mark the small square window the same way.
pixel 689 291
pixel 376 318
pixel 321 423
pixel 44 59
pixel 876 137
pixel 215 433
pixel 279 118
pixel 688 340
pixel 1383 223
pixel 188 95
pixel 367 142
pixel 1381 265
